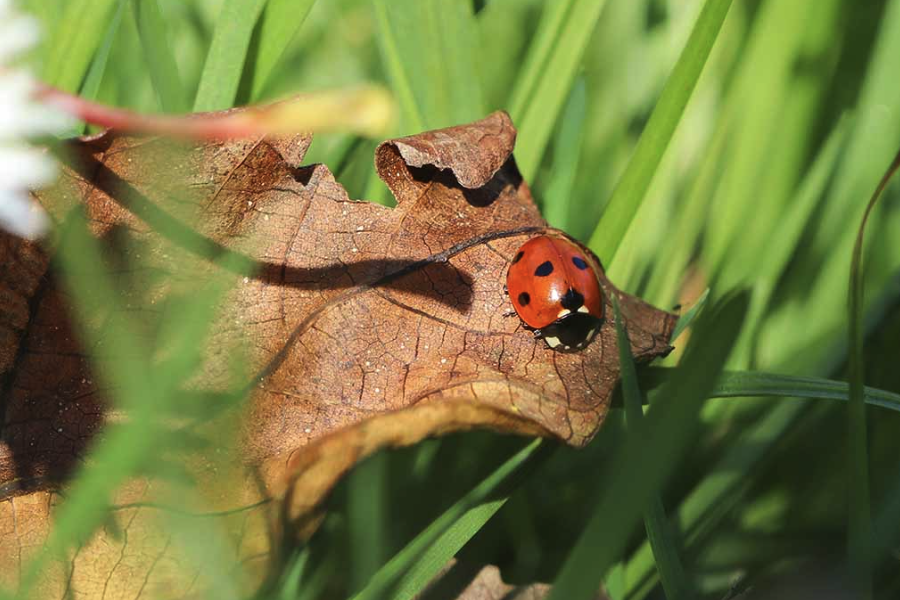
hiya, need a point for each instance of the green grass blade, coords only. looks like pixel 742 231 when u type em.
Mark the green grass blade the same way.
pixel 48 12
pixel 566 153
pixel 665 549
pixel 429 49
pixel 293 580
pixel 632 187
pixel 860 523
pixel 368 518
pixel 91 86
pixel 114 458
pixel 770 98
pixel 74 42
pixel 734 384
pixel 401 79
pixel 227 54
pixel 715 497
pixel 532 72
pixel 718 493
pixel 668 271
pixel 743 384
pixel 871 144
pixel 504 32
pixel 685 320
pixel 669 427
pixel 775 257
pixel 771 259
pixel 538 99
pixel 161 64
pixel 738 384
pixel 417 564
pixel 278 25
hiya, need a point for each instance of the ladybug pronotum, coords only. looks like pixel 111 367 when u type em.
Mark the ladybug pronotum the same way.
pixel 555 291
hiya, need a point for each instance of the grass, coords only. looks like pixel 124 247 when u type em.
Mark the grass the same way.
pixel 674 580
pixel 700 145
pixel 635 181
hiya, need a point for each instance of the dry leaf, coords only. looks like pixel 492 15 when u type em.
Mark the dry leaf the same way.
pixel 461 581
pixel 365 327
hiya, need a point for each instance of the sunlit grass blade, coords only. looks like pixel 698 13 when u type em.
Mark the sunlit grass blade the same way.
pixel 91 86
pixel 401 80
pixel 871 144
pixel 531 73
pixel 773 103
pixel 632 186
pixel 668 430
pixel 538 99
pixel 47 11
pixel 773 259
pixel 227 54
pixel 685 320
pixel 665 548
pixel 566 153
pixel 669 271
pixel 74 42
pixel 417 564
pixel 94 77
pixel 278 25
pixel 160 61
pixel 860 525
pixel 874 136
pixel 503 35
pixel 293 576
pixel 614 583
pixel 429 48
pixel 776 256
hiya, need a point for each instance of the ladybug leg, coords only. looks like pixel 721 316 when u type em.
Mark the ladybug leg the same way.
pixel 509 313
pixel 538 334
pixel 505 289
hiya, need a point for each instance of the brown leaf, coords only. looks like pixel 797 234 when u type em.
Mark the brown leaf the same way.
pixel 365 326
pixel 461 581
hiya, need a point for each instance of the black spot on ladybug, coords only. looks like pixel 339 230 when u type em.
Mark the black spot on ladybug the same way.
pixel 544 269
pixel 572 300
pixel 579 262
pixel 524 299
pixel 518 257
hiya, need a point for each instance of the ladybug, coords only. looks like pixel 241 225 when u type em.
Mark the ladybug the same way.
pixel 556 292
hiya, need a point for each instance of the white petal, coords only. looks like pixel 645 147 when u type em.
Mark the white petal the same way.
pixel 17 34
pixel 25 168
pixel 22 217
pixel 20 116
pixel 30 121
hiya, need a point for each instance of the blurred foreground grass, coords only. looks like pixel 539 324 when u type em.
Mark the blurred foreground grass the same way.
pixel 793 121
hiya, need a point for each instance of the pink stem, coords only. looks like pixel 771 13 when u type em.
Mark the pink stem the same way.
pixel 206 126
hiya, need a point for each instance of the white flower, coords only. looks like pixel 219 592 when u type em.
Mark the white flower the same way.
pixel 22 167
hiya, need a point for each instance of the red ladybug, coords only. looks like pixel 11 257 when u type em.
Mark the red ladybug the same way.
pixel 555 290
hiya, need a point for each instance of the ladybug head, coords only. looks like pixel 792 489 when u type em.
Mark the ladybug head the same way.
pixel 571 332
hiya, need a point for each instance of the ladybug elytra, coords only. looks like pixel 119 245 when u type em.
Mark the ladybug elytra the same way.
pixel 556 292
